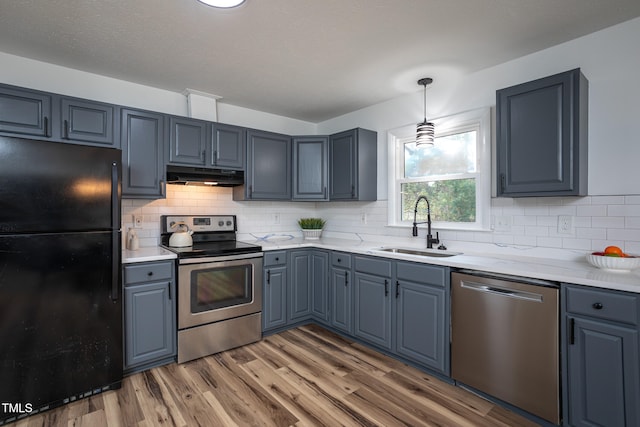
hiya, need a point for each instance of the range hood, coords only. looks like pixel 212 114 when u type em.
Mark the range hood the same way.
pixel 185 175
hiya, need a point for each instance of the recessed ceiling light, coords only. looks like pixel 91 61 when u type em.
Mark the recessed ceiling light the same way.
pixel 222 3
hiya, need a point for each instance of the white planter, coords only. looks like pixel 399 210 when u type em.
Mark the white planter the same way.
pixel 312 234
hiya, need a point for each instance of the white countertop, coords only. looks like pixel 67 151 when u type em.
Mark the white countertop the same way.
pixel 571 268
pixel 155 253
pixel 574 269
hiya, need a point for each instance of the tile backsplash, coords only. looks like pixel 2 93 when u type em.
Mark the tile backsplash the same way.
pixel 594 221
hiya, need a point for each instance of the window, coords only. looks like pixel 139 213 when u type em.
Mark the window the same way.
pixel 454 174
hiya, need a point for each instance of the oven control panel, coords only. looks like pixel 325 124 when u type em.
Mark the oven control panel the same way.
pixel 199 223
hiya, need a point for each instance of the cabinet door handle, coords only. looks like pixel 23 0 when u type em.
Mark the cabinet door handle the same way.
pixel 150 273
pixel 325 192
pixel 46 126
pixel 353 191
pixel 503 181
pixel 386 287
pixel 66 129
pixel 250 191
pixel 268 277
pixel 202 155
pixel 572 331
pixel 597 306
pixel 346 278
pixel 169 288
pixel 397 289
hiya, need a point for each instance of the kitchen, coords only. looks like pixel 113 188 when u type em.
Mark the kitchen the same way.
pixel 608 215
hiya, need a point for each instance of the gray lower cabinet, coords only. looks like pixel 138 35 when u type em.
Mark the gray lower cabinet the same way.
pixel 308 285
pixel 274 295
pixel 341 291
pixel 268 172
pixel 298 285
pixel 602 360
pixel 319 280
pixel 149 315
pixel 25 112
pixel 372 300
pixel 142 138
pixel 541 141
pixel 310 168
pixel 422 310
pixel 353 157
pixel 408 300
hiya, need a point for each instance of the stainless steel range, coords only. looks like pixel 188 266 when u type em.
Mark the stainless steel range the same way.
pixel 219 286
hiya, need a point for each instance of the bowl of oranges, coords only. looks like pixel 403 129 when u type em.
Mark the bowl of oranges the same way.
pixel 613 259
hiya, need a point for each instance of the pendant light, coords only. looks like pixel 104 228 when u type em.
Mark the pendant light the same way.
pixel 425 134
pixel 225 4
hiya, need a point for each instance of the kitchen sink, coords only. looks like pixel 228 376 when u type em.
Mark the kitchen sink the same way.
pixel 436 253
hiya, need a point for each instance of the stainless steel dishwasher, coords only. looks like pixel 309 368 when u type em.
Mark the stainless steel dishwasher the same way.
pixel 504 340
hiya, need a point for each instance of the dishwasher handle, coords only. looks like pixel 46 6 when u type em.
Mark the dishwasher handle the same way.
pixel 528 296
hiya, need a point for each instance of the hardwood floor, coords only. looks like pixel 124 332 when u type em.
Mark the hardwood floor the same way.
pixel 304 377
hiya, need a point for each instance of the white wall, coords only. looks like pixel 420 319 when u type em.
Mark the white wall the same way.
pixel 19 71
pixel 610 59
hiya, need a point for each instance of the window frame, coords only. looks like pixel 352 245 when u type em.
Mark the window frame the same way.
pixel 478 119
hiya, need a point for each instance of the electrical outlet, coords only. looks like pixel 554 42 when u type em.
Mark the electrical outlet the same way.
pixel 565 225
pixel 276 218
pixel 137 221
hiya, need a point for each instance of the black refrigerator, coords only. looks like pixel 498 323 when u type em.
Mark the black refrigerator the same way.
pixel 60 295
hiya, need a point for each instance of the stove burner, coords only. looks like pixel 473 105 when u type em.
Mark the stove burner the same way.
pixel 213 235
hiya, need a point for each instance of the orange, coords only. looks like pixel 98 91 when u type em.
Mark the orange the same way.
pixel 613 250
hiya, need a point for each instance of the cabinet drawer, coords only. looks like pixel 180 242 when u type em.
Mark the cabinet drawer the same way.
pixel 609 305
pixel 373 266
pixel 275 258
pixel 150 272
pixel 340 259
pixel 421 273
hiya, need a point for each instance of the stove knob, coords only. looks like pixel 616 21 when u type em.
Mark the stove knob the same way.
pixel 220 223
pixel 228 223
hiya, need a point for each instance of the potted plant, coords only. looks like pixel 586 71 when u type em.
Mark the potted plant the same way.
pixel 311 227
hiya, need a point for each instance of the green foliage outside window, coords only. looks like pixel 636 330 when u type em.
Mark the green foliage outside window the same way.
pixel 450 201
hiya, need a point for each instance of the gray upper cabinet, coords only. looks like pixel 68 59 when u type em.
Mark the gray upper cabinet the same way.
pixel 228 143
pixel 268 174
pixel 187 141
pixel 194 142
pixel 311 168
pixel 602 351
pixel 88 122
pixel 42 115
pixel 353 165
pixel 25 112
pixel 541 141
pixel 142 140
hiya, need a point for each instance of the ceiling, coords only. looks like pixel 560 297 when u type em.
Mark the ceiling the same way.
pixel 306 59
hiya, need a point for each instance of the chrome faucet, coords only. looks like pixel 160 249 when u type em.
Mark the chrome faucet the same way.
pixel 430 239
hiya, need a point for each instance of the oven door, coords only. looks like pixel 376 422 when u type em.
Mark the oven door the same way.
pixel 220 288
